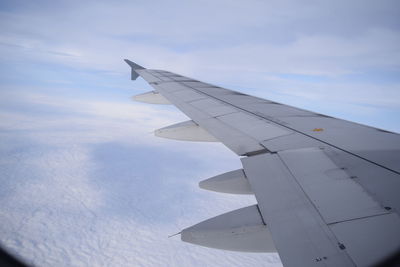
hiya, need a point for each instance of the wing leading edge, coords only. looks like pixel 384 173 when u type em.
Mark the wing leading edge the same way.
pixel 327 189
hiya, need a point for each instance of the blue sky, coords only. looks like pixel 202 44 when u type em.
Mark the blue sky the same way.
pixel 78 158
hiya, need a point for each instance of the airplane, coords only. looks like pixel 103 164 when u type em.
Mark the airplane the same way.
pixel 327 189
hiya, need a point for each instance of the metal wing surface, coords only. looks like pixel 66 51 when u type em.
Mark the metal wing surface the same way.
pixel 327 190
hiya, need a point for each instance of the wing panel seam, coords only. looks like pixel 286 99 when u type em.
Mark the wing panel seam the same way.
pixel 295 130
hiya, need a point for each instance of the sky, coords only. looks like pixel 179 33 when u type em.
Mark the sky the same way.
pixel 84 180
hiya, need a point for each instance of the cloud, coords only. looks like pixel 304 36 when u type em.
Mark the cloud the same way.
pixel 263 45
pixel 305 38
pixel 86 187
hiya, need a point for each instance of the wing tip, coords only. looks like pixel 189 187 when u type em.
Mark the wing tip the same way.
pixel 133 65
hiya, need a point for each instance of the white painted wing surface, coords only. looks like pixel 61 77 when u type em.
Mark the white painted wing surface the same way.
pixel 327 189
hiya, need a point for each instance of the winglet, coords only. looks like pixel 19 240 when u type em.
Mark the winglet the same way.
pixel 134 67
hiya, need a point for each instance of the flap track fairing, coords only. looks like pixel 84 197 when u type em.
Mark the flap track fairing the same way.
pixel 238 230
pixel 233 182
pixel 185 131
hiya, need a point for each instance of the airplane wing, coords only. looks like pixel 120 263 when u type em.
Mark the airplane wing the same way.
pixel 327 190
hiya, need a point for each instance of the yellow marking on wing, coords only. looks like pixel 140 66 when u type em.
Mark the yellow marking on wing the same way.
pixel 318 130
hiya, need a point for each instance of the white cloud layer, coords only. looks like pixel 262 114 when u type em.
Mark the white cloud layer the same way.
pixel 94 188
pixel 270 36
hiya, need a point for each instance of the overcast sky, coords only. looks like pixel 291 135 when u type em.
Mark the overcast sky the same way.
pixel 84 181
